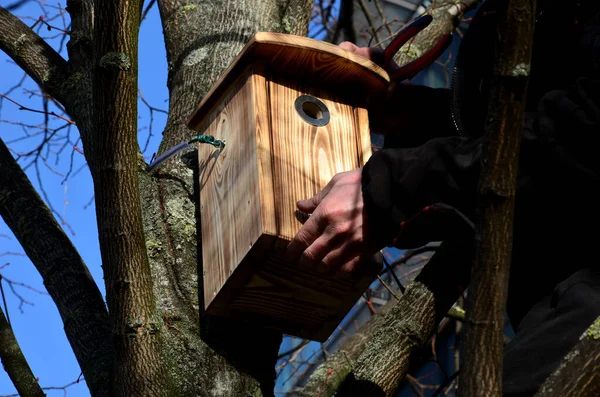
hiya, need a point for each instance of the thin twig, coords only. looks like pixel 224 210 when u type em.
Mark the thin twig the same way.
pixel 21 107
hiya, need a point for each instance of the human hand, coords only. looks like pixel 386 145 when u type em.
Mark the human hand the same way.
pixel 336 237
pixel 395 112
pixel 374 54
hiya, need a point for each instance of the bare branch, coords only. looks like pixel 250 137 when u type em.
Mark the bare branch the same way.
pixel 149 6
pixel 12 284
pixel 45 112
pixel 32 54
pixel 66 277
pixel 345 25
pixel 16 5
pixel 446 16
pixel 15 364
pixel 578 375
pixel 370 22
pixel 63 388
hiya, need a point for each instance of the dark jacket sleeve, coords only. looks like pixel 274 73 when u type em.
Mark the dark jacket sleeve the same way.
pixel 559 143
pixel 405 119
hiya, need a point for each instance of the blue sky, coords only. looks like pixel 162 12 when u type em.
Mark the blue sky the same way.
pixel 38 328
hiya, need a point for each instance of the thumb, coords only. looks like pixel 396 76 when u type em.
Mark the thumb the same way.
pixel 309 205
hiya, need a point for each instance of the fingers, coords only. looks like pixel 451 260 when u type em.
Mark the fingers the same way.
pixel 309 205
pixel 346 45
pixel 313 255
pixel 304 238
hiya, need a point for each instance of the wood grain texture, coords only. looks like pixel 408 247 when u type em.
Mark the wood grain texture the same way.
pixel 361 116
pixel 298 58
pixel 248 194
pixel 268 289
pixel 229 187
pixel 264 153
pixel 306 157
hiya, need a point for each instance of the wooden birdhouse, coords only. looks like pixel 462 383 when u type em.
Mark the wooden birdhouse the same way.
pixel 293 113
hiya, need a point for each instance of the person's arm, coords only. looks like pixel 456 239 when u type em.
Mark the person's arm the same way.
pixel 412 115
pixel 558 146
pixel 399 183
pixel 349 224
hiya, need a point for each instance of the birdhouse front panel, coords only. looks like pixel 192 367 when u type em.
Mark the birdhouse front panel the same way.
pixel 306 155
pixel 287 135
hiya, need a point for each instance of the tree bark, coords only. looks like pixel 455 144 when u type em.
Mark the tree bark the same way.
pixel 44 65
pixel 138 362
pixel 201 355
pixel 578 375
pixel 202 38
pixel 15 364
pixel 65 276
pixel 447 15
pixel 481 369
pixel 68 82
pixel 327 378
pixel 396 345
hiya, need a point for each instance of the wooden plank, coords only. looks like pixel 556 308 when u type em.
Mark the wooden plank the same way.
pixel 264 153
pixel 231 216
pixel 248 199
pixel 314 303
pixel 300 58
pixel 280 295
pixel 306 157
pixel 363 138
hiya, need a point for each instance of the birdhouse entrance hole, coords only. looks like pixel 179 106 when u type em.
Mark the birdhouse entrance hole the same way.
pixel 293 113
pixel 312 110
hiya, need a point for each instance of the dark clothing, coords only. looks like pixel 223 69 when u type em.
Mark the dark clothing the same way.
pixel 554 289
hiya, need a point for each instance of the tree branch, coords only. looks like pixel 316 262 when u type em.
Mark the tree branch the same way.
pixel 137 329
pixel 446 17
pixel 345 24
pixel 15 364
pixel 481 371
pixel 44 65
pixel 328 377
pixel 65 276
pixel 78 88
pixel 69 83
pixel 406 330
pixel 578 375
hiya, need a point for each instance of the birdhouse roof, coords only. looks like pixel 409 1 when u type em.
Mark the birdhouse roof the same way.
pixel 315 62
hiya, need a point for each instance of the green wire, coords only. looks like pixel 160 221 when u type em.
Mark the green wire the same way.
pixel 211 140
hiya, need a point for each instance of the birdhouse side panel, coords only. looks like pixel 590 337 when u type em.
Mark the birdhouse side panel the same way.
pixel 307 155
pixel 230 207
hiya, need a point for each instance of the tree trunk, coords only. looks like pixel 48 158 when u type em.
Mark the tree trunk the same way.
pixel 163 343
pixel 220 357
pixel 65 276
pixel 138 365
pixel 481 369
